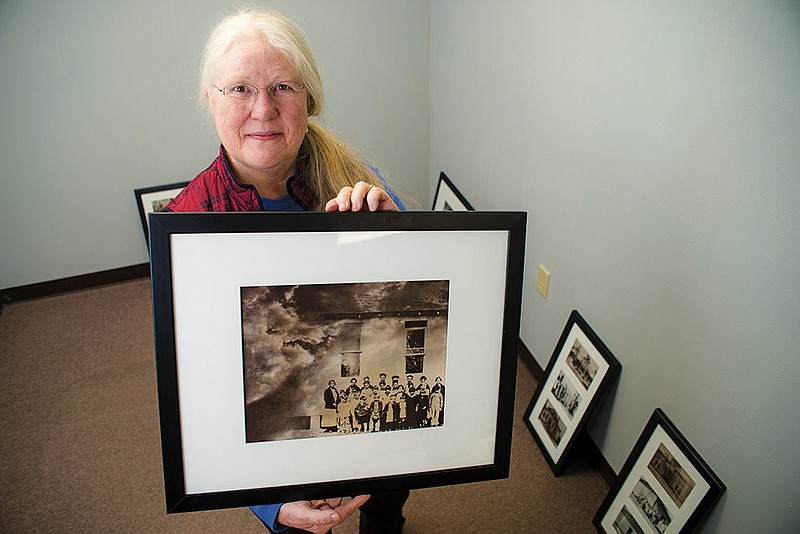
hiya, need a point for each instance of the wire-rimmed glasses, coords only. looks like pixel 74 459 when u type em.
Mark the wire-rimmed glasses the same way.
pixel 283 91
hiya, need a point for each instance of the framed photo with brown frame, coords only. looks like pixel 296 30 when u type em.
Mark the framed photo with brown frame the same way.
pixel 575 381
pixel 309 355
pixel 664 487
pixel 448 197
pixel 152 199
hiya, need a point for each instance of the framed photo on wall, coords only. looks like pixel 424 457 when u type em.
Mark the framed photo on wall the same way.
pixel 448 197
pixel 350 338
pixel 151 199
pixel 664 486
pixel 575 381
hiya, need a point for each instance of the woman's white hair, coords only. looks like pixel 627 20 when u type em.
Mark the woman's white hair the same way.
pixel 328 163
pixel 280 32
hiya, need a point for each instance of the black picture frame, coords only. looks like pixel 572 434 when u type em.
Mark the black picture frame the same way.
pixel 664 486
pixel 448 197
pixel 200 263
pixel 576 380
pixel 152 199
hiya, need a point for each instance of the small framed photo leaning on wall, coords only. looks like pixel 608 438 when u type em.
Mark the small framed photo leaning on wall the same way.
pixel 309 355
pixel 151 199
pixel 448 197
pixel 575 381
pixel 664 487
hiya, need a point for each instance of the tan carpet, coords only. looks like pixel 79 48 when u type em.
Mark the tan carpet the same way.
pixel 80 449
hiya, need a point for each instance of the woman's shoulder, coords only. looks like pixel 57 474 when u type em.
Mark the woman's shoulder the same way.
pixel 197 194
pixel 214 189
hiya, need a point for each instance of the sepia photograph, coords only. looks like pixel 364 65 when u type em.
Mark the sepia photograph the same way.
pixel 324 360
pixel 650 504
pixel 625 523
pixel 552 423
pixel 158 204
pixel 566 394
pixel 582 364
pixel 671 475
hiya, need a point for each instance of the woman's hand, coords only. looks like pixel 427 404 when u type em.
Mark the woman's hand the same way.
pixel 318 516
pixel 360 196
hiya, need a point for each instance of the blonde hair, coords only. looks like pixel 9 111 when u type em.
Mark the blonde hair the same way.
pixel 328 163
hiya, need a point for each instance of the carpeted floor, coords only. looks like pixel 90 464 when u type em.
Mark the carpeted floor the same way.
pixel 80 447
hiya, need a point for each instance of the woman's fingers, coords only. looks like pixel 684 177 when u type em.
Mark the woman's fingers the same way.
pixel 359 196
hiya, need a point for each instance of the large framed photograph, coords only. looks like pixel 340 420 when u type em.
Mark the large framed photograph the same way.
pixel 152 199
pixel 575 381
pixel 312 355
pixel 448 197
pixel 665 487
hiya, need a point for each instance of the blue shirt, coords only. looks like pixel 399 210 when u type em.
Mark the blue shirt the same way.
pixel 286 203
pixel 268 514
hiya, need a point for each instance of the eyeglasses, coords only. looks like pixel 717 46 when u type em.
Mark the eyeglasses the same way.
pixel 246 92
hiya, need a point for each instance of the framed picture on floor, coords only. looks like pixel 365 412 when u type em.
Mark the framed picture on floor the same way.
pixel 448 197
pixel 151 199
pixel 348 338
pixel 664 486
pixel 575 381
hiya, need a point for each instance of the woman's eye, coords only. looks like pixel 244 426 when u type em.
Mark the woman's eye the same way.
pixel 241 90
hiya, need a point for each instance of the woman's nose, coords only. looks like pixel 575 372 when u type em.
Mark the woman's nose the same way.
pixel 263 107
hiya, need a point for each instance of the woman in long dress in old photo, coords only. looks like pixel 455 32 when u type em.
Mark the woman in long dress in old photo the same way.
pixel 437 405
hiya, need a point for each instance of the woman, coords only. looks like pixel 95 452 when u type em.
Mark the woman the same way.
pixel 437 403
pixel 423 402
pixel 260 83
pixel 329 420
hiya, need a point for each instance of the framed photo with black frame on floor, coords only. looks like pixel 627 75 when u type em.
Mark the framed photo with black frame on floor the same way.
pixel 448 197
pixel 665 486
pixel 575 381
pixel 278 335
pixel 152 199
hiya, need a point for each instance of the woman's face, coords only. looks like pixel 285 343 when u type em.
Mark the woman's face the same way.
pixel 261 136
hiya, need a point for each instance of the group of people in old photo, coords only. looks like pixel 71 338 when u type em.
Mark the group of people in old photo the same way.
pixel 383 406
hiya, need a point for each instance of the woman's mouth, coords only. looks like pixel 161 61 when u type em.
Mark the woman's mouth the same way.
pixel 263 136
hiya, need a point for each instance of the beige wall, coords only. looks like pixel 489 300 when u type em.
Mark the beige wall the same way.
pixel 656 148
